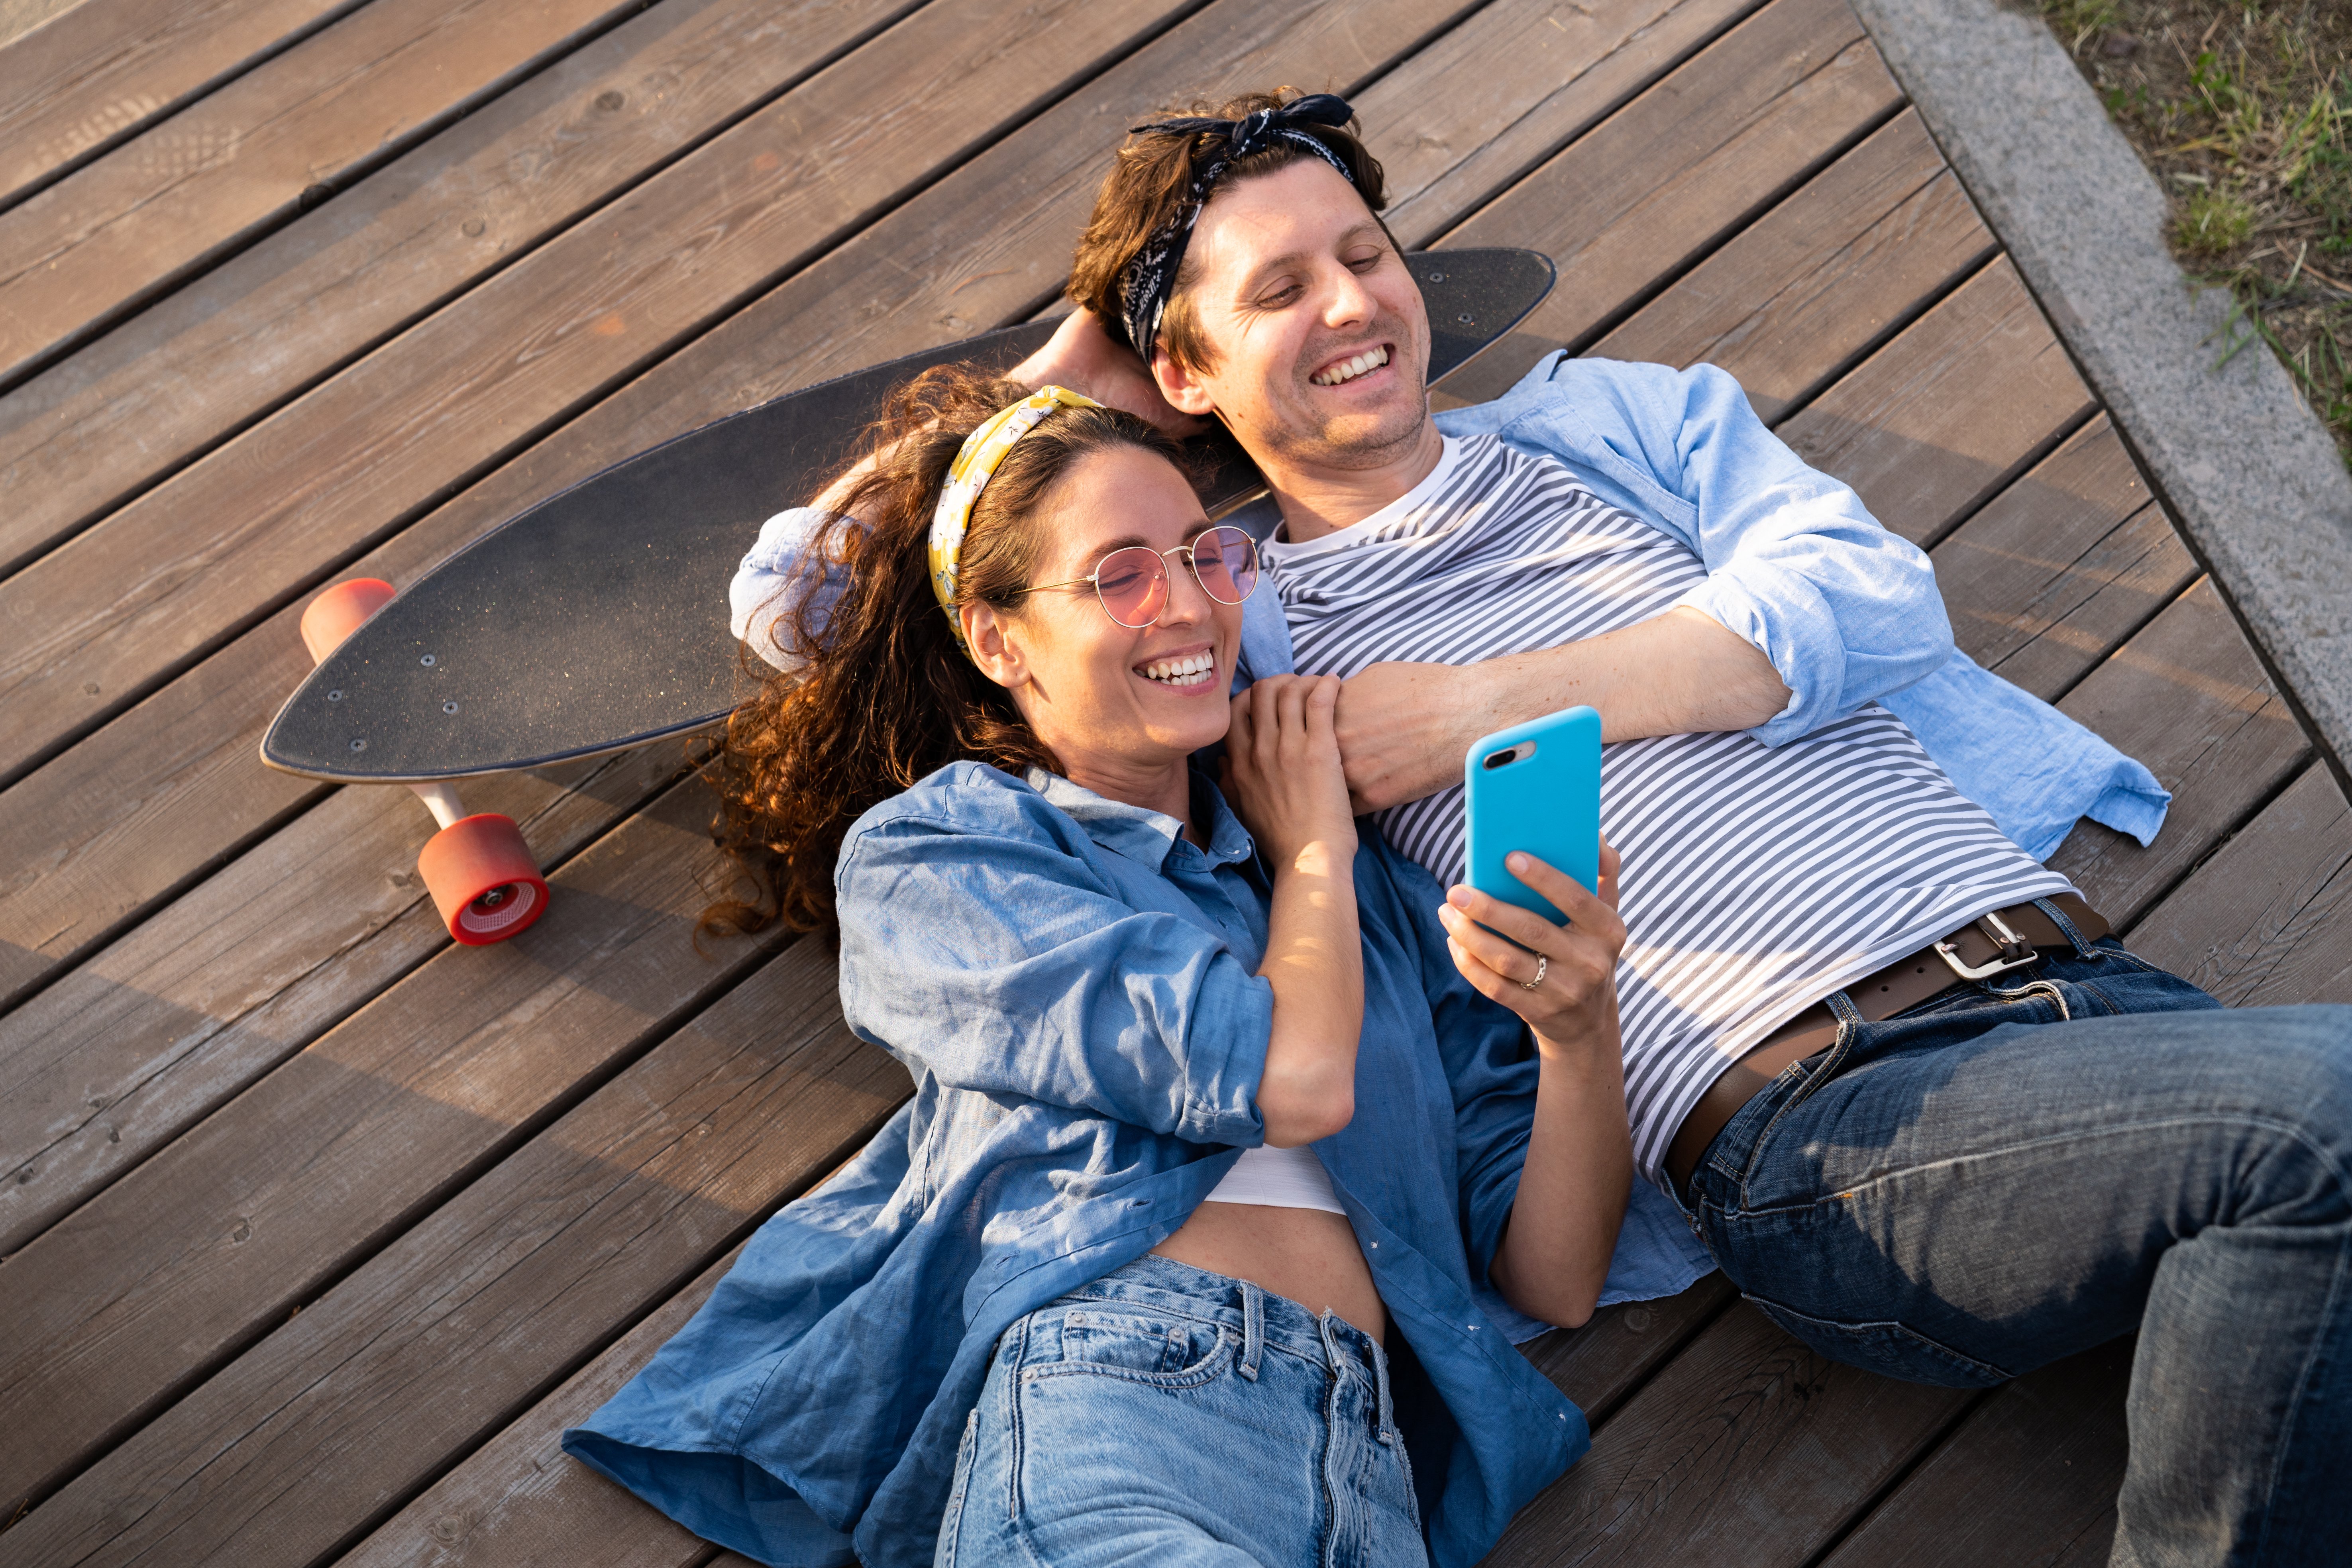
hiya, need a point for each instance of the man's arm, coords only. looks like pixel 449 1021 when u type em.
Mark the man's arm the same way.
pixel 1081 356
pixel 1084 357
pixel 1404 728
pixel 1809 607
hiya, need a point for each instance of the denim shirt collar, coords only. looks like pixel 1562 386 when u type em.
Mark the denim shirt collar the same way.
pixel 1146 836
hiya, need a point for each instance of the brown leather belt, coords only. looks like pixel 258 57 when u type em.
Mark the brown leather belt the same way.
pixel 1987 946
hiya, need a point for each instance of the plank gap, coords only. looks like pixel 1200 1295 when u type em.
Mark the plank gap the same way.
pixel 2221 841
pixel 33 185
pixel 2024 465
pixel 1895 327
pixel 1733 228
pixel 1868 1508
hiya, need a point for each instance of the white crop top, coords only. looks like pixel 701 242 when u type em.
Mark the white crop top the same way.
pixel 1278 1178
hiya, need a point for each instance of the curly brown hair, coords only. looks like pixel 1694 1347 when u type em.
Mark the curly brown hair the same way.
pixel 881 694
pixel 1150 177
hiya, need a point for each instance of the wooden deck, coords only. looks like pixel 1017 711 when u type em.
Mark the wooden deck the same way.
pixel 316 1229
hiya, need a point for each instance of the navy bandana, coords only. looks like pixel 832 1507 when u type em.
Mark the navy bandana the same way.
pixel 1150 278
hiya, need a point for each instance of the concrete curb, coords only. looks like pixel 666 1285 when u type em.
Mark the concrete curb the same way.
pixel 2248 470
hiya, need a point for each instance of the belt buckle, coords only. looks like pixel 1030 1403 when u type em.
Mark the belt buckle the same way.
pixel 2016 953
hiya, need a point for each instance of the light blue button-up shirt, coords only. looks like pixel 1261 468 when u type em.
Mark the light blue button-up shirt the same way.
pixel 1074 988
pixel 1847 612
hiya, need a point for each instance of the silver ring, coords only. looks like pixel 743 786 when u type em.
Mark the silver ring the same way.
pixel 1543 961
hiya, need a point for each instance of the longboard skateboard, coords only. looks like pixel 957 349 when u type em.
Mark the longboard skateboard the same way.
pixel 596 620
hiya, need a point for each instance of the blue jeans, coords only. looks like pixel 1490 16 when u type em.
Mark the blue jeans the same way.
pixel 1168 1415
pixel 2022 1169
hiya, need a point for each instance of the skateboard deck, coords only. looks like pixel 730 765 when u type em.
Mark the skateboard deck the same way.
pixel 596 620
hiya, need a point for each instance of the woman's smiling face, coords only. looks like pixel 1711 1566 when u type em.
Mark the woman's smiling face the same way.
pixel 1118 705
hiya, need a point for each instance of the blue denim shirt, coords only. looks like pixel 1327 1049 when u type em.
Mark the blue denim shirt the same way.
pixel 1074 988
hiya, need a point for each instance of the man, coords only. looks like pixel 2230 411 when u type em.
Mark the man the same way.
pixel 1883 1068
pixel 1902 1087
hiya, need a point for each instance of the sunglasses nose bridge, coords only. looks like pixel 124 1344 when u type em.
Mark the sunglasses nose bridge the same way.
pixel 1189 572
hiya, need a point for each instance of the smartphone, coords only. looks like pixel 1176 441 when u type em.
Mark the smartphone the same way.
pixel 1536 786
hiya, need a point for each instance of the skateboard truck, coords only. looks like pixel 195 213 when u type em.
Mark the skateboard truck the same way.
pixel 480 873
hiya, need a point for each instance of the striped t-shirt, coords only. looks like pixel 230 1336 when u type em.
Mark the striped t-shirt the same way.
pixel 1756 880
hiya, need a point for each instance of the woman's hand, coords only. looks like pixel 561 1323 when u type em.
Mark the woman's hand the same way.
pixel 1572 1008
pixel 1554 1258
pixel 1282 768
pixel 1281 775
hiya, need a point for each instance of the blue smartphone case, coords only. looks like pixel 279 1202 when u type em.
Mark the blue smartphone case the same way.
pixel 1536 786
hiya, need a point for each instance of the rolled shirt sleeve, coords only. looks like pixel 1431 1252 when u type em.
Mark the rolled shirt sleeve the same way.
pixel 991 956
pixel 1845 610
pixel 759 595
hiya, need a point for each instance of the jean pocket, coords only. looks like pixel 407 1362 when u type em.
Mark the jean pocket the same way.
pixel 1155 1349
pixel 1888 1347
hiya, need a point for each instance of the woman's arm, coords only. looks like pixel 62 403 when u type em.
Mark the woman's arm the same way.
pixel 1282 773
pixel 1579 1170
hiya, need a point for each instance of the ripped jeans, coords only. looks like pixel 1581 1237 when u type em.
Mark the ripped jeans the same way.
pixel 2001 1177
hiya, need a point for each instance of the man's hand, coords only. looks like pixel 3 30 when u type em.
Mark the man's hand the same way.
pixel 1084 357
pixel 1404 728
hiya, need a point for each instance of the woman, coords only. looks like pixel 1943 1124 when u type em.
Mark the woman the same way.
pixel 1216 1141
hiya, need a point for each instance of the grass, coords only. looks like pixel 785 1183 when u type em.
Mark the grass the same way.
pixel 2243 108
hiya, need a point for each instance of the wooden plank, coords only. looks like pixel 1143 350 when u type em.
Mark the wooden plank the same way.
pixel 107 69
pixel 230 539
pixel 1546 73
pixel 1949 413
pixel 130 814
pixel 2263 922
pixel 441 1338
pixel 1747 1451
pixel 2029 1478
pixel 160 1029
pixel 78 255
pixel 2128 576
pixel 1800 293
pixel 2059 569
pixel 1601 1364
pixel 115 1310
pixel 520 1502
pixel 1680 169
pixel 2186 696
pixel 176 378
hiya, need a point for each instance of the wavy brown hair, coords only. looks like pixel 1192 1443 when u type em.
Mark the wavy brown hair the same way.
pixel 1150 176
pixel 881 695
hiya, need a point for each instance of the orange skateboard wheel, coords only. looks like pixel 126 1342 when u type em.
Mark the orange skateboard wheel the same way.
pixel 339 612
pixel 483 878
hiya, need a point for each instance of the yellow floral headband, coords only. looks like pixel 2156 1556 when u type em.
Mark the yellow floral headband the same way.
pixel 969 475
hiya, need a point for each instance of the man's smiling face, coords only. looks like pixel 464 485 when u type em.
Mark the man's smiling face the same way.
pixel 1320 340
